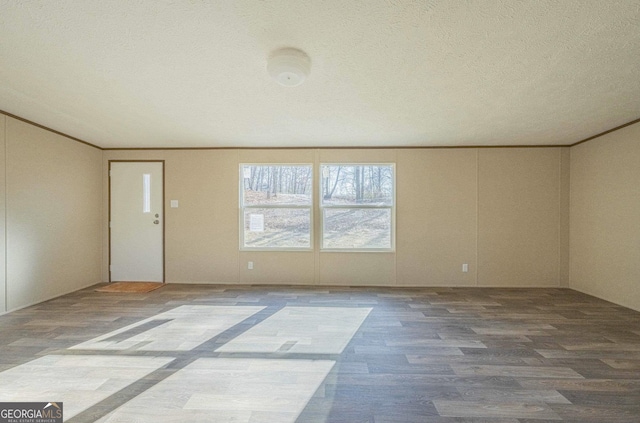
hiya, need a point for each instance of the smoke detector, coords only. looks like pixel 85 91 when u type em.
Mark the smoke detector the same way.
pixel 289 66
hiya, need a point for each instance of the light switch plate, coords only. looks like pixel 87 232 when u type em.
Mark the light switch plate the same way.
pixel 174 204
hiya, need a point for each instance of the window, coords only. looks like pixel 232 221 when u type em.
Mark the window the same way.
pixel 357 204
pixel 276 206
pixel 146 193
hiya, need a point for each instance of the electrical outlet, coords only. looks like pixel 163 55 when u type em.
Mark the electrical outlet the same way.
pixel 465 267
pixel 250 265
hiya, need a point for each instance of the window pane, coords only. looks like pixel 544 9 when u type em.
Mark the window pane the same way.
pixel 146 193
pixel 356 228
pixel 276 185
pixel 357 185
pixel 277 228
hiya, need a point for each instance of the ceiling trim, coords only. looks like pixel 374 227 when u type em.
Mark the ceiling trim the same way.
pixel 624 125
pixel 389 147
pixel 46 128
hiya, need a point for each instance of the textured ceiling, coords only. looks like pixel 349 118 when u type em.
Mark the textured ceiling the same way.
pixel 178 73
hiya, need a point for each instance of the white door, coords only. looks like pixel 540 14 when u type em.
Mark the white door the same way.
pixel 137 251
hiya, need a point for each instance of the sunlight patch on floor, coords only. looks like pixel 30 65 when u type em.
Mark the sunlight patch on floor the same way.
pixel 312 330
pixel 228 390
pixel 180 329
pixel 79 381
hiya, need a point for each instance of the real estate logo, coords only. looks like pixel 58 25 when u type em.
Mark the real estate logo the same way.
pixel 30 412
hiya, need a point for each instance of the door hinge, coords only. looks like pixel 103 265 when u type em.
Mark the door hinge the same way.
pixel 110 267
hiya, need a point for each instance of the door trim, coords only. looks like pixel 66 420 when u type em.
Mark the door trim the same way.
pixel 163 212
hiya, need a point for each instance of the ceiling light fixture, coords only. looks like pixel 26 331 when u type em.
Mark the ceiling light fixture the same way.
pixel 289 66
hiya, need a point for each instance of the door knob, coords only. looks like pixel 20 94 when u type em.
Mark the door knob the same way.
pixel 155 222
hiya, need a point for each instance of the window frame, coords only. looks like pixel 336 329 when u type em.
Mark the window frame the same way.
pixel 391 207
pixel 242 207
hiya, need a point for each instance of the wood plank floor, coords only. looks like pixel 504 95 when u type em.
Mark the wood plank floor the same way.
pixel 277 354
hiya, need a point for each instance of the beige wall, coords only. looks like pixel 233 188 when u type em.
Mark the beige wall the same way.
pixel 437 225
pixel 3 253
pixel 519 212
pixel 565 215
pixel 53 214
pixel 517 216
pixel 451 206
pixel 605 217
